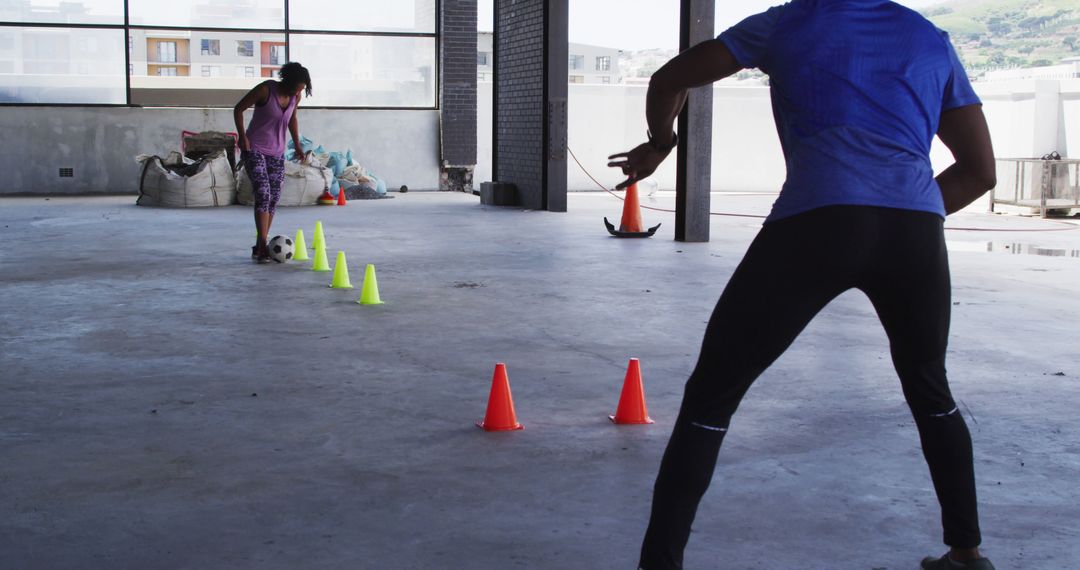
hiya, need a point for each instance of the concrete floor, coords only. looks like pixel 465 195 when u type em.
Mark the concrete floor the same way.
pixel 165 403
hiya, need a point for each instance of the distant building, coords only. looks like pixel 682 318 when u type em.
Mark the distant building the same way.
pixel 587 63
pixel 205 53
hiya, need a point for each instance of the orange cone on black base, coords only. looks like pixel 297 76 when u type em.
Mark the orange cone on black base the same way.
pixel 631 225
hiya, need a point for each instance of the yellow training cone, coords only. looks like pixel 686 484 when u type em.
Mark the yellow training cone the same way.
pixel 341 273
pixel 318 238
pixel 369 295
pixel 300 247
pixel 320 263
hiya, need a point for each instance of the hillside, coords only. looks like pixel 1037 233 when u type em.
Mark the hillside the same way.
pixel 1010 33
pixel 988 34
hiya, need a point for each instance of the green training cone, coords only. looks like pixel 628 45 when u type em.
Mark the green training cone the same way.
pixel 369 295
pixel 300 247
pixel 341 273
pixel 318 237
pixel 320 263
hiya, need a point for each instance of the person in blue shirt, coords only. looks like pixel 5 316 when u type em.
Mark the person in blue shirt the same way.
pixel 859 89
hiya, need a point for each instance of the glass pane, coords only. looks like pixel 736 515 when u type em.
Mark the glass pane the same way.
pixel 363 16
pixel 258 14
pixel 63 11
pixel 367 71
pixel 200 69
pixel 57 65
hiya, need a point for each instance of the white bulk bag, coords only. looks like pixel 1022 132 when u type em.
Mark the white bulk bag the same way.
pixel 302 186
pixel 207 182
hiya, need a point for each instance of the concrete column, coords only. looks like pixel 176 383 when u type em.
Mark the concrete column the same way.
pixel 692 179
pixel 1048 124
pixel 457 95
pixel 529 101
pixel 556 68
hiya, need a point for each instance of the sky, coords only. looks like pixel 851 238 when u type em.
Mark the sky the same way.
pixel 644 24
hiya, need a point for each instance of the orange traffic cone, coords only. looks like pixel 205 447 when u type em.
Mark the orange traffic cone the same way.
pixel 632 408
pixel 631 225
pixel 500 414
pixel 631 211
pixel 341 196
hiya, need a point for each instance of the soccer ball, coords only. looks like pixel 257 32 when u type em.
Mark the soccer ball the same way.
pixel 281 249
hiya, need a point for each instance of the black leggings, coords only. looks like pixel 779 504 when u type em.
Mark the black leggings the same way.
pixel 794 267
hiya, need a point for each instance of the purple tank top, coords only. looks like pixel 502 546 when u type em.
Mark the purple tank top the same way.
pixel 269 123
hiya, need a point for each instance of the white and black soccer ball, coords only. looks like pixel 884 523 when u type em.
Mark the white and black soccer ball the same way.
pixel 281 249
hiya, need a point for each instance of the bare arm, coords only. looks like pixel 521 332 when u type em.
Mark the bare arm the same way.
pixel 257 94
pixel 965 133
pixel 294 130
pixel 700 65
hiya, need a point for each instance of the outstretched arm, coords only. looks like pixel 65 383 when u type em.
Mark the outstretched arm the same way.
pixel 965 133
pixel 700 65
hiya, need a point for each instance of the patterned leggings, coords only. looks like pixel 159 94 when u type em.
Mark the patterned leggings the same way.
pixel 266 174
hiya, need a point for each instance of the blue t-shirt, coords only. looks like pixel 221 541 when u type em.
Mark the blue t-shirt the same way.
pixel 857 87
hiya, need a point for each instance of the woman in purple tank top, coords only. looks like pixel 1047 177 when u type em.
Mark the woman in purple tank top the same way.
pixel 262 144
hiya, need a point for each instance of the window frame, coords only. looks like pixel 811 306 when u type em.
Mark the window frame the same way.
pixel 126 27
pixel 246 48
pixel 210 44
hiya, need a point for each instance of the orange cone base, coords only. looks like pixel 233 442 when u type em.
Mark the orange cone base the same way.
pixel 515 427
pixel 327 199
pixel 617 233
pixel 647 420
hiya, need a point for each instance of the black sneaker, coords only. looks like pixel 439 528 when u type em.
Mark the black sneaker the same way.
pixel 946 563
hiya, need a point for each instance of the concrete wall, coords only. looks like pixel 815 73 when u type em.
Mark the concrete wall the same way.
pixel 1027 119
pixel 100 144
pixel 403 146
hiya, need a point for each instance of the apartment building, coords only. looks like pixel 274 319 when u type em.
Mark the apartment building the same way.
pixel 587 63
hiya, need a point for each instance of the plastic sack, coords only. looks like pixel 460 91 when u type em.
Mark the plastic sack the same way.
pixel 177 182
pixel 302 186
pixel 306 146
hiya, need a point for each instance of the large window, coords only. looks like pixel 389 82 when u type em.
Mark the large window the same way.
pixel 250 14
pixel 400 16
pixel 94 12
pixel 61 65
pixel 368 71
pixel 208 53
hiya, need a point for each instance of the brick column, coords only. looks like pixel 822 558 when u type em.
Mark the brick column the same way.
pixel 531 46
pixel 457 95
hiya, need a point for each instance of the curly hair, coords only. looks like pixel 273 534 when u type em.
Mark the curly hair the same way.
pixel 293 74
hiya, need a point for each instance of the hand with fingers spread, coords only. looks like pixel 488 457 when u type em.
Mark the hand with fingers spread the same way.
pixel 639 163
